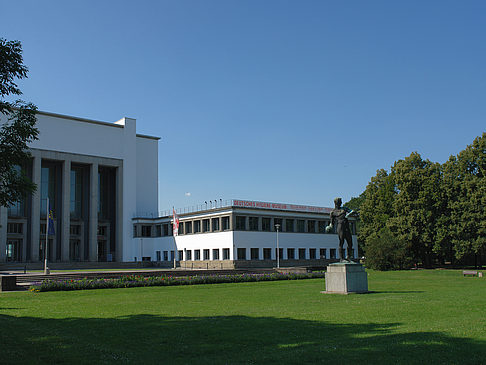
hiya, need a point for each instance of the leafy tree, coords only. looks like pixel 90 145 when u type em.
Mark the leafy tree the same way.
pixel 385 251
pixel 418 204
pixel 18 126
pixel 465 182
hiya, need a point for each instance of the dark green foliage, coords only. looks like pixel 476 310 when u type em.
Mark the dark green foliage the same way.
pixel 17 130
pixel 385 251
pixel 435 213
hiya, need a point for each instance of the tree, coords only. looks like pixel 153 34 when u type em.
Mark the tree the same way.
pixel 465 182
pixel 387 252
pixel 18 126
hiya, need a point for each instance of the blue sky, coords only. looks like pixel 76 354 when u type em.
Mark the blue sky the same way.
pixel 284 101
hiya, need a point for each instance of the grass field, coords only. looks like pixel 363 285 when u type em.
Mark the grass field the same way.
pixel 414 317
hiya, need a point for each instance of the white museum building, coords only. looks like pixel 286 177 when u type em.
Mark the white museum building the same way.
pixel 98 176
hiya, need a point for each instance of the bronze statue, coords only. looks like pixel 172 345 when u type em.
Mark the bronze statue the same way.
pixel 339 216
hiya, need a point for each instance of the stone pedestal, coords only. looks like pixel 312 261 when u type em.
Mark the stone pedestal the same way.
pixel 345 278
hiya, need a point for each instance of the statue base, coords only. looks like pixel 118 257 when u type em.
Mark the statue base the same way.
pixel 346 278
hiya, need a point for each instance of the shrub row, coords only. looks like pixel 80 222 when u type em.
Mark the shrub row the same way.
pixel 130 281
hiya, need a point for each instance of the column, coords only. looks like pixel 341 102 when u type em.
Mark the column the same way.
pixel 93 212
pixel 119 217
pixel 35 208
pixel 64 227
pixel 3 234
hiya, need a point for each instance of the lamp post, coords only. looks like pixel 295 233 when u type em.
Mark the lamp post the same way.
pixel 277 226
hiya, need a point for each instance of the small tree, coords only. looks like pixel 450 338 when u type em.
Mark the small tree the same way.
pixel 384 251
pixel 18 126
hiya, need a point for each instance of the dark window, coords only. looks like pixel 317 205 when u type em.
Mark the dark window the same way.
pixel 279 222
pixel 290 253
pixel 267 253
pixel 165 229
pixel 76 200
pixel 188 227
pixel 75 229
pixel 312 253
pixel 158 231
pixel 253 223
pixel 166 256
pixel 226 254
pixel 266 224
pixel 300 225
pixel 215 223
pixel 322 253
pixel 197 226
pixel 225 223
pixel 205 227
pixel 146 231
pixel 332 253
pixel 14 227
pixel 311 226
pixel 206 254
pixel 322 226
pixel 188 255
pixel 157 253
pixel 301 253
pixel 255 253
pixel 240 223
pixel 215 254
pixel 181 255
pixel 241 253
pixel 197 254
pixel 171 255
pixel 289 225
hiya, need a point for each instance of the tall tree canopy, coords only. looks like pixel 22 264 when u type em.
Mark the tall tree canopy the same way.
pixel 18 126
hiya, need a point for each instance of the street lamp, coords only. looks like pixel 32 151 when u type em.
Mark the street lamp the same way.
pixel 277 226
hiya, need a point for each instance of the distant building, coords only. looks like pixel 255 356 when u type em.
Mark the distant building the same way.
pixel 239 233
pixel 96 176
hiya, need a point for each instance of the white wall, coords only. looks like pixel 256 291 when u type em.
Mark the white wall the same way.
pixel 147 175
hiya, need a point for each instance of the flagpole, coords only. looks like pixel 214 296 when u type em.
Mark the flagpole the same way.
pixel 47 232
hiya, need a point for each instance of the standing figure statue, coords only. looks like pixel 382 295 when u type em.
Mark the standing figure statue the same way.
pixel 339 217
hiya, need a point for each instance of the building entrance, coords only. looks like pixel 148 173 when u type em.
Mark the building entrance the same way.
pixel 101 250
pixel 74 253
pixel 14 250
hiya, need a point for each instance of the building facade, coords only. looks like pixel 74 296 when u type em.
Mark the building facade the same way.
pixel 95 175
pixel 240 233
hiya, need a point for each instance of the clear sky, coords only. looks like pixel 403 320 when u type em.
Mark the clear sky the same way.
pixel 283 101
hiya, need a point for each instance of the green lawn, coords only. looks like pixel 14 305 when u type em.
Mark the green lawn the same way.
pixel 413 317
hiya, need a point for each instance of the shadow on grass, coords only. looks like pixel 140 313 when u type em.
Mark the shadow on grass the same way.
pixel 147 339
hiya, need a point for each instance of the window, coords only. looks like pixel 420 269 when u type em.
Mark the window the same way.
pixel 267 253
pixel 322 226
pixel 301 253
pixel 290 253
pixel 332 253
pixel 322 253
pixel 312 253
pixel 266 224
pixel 166 256
pixel 289 225
pixel 255 253
pixel 205 225
pixel 171 255
pixel 157 254
pixel 216 254
pixel 253 223
pixel 165 229
pixel 180 254
pixel 311 226
pixel 76 198
pixel 197 226
pixel 75 229
pixel 241 253
pixel 102 230
pixel 279 222
pixel 146 231
pixel 197 254
pixel 14 227
pixel 188 255
pixel 206 254
pixel 300 225
pixel 226 254
pixel 215 224
pixel 158 231
pixel 240 223
pixel 225 223
pixel 188 227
